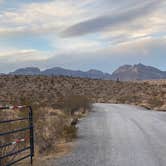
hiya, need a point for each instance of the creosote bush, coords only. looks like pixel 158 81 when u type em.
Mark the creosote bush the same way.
pixel 73 103
pixel 156 101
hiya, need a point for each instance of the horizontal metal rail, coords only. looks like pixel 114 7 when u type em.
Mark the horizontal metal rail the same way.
pixel 5 145
pixel 17 141
pixel 12 107
pixel 14 153
pixel 19 160
pixel 15 131
pixel 13 120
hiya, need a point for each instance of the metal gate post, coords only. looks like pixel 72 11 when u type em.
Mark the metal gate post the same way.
pixel 31 133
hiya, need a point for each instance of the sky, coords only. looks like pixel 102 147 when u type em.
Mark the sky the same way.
pixel 82 34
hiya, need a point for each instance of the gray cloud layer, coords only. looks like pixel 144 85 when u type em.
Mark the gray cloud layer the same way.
pixel 149 51
pixel 102 22
pixel 128 31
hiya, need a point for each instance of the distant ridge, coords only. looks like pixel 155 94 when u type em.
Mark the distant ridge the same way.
pixel 58 71
pixel 27 71
pixel 138 72
pixel 123 73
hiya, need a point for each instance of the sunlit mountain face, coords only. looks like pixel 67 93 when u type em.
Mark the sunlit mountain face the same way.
pixel 82 35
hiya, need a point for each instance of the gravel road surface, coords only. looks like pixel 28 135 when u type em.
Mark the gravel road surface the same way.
pixel 119 135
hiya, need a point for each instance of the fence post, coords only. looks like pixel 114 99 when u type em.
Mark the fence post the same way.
pixel 31 133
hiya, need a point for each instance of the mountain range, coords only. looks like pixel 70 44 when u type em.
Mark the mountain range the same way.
pixel 123 73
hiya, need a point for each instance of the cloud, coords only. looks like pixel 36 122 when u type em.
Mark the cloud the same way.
pixel 65 18
pixel 150 51
pixel 42 18
pixel 102 22
pixel 77 45
pixel 15 56
pixel 81 34
pixel 140 47
pixel 147 50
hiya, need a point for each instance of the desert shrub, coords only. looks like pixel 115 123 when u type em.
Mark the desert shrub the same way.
pixel 73 103
pixel 128 99
pixel 121 99
pixel 69 132
pixel 156 102
pixel 51 126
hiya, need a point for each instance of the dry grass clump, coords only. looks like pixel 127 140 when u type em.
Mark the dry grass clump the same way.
pixel 156 101
pixel 54 125
pixel 49 128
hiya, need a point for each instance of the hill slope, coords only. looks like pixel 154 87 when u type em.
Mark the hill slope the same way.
pixel 50 91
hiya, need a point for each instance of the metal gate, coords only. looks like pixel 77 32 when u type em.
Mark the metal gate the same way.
pixel 13 155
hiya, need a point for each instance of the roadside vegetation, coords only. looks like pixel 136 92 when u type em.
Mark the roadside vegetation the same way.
pixel 53 126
